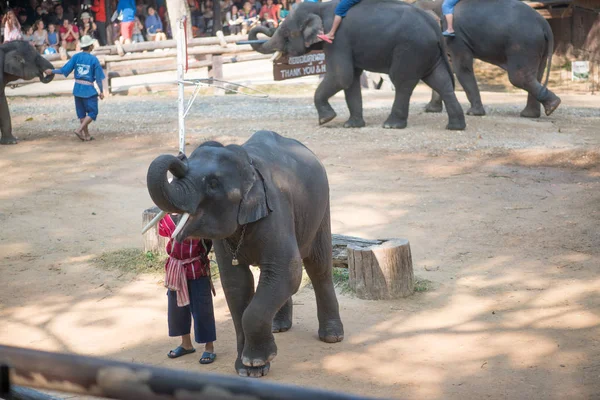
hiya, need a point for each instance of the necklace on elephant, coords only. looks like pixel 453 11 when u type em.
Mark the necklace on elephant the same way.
pixel 234 260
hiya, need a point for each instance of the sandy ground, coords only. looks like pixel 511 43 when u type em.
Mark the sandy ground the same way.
pixel 502 218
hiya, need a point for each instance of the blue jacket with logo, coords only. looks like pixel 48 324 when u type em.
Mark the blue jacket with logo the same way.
pixel 87 69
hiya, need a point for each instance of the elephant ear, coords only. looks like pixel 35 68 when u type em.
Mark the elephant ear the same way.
pixel 14 64
pixel 255 203
pixel 311 28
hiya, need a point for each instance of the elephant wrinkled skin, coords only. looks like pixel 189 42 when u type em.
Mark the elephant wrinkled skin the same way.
pixel 268 198
pixel 520 42
pixel 19 60
pixel 385 36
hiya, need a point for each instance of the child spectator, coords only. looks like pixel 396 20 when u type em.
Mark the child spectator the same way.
pixel 154 26
pixel 40 37
pixel 87 70
pixel 53 37
pixel 270 15
pixel 340 12
pixel 187 276
pixel 28 35
pixel 12 27
pixel 137 31
pixel 248 15
pixel 69 35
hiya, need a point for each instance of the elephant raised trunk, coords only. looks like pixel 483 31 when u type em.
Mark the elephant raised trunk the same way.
pixel 172 197
pixel 274 44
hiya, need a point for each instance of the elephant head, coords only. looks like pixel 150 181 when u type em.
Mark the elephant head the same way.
pixel 218 189
pixel 294 36
pixel 21 60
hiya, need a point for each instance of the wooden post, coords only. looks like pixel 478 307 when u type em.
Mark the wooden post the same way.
pixel 216 71
pixel 381 272
pixel 152 240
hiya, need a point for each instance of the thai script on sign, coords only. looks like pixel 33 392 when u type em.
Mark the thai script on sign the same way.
pixel 306 58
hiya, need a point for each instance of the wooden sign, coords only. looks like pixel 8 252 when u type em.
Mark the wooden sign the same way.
pixel 312 63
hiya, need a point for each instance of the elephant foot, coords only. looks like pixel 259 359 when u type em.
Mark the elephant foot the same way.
pixel 8 140
pixel 531 112
pixel 281 325
pixel 434 108
pixel 476 111
pixel 458 125
pixel 395 123
pixel 354 122
pixel 260 354
pixel 252 372
pixel 326 117
pixel 332 332
pixel 551 105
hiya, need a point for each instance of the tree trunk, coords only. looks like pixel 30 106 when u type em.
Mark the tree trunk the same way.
pixel 382 271
pixel 217 23
pixel 177 9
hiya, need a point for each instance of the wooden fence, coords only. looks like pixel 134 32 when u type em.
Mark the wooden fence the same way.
pixel 152 57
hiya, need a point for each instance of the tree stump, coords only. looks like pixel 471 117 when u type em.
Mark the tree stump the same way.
pixel 381 271
pixel 152 240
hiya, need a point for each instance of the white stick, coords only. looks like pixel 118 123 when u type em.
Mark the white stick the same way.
pixel 154 221
pixel 180 225
pixel 181 46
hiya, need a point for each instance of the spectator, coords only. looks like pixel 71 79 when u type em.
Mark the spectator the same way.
pixel 269 14
pixel 57 17
pixel 257 5
pixel 127 8
pixel 53 37
pixel 88 27
pixel 69 35
pixel 40 37
pixel 70 13
pixel 12 27
pixel 23 20
pixel 41 15
pixel 296 2
pixel 207 15
pixel 235 21
pixel 87 70
pixel 99 9
pixel 196 13
pixel 154 27
pixel 248 14
pixel 137 31
pixel 28 34
pixel 284 10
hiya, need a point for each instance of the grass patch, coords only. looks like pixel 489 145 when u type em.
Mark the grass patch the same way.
pixel 131 260
pixel 422 285
pixel 340 279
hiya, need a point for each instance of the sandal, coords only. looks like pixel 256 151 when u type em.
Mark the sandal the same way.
pixel 179 351
pixel 207 358
pixel 79 136
pixel 325 38
pixel 448 34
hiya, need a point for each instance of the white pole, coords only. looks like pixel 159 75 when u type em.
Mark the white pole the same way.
pixel 181 45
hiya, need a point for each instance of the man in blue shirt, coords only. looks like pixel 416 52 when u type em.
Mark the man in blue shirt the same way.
pixel 87 70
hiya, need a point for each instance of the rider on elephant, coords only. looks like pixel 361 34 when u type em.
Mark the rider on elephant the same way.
pixel 340 12
pixel 448 11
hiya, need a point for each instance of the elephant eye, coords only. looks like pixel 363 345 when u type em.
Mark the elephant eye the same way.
pixel 213 184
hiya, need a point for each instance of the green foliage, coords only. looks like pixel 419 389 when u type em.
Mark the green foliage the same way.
pixel 131 260
pixel 422 285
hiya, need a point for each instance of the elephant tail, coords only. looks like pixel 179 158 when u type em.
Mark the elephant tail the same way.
pixel 550 43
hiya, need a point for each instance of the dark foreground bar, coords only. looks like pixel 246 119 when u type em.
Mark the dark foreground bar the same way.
pixel 100 377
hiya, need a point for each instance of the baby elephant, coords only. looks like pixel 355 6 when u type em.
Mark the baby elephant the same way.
pixel 265 203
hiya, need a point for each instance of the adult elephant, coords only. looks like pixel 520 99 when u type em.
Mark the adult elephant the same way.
pixel 385 36
pixel 520 42
pixel 19 60
pixel 264 203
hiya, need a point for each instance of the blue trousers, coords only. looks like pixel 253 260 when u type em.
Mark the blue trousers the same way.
pixel 86 106
pixel 448 6
pixel 200 308
pixel 344 6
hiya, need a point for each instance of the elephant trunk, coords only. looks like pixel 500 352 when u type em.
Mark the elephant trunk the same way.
pixel 43 65
pixel 171 197
pixel 271 46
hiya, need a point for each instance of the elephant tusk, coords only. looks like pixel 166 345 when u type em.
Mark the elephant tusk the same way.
pixel 180 225
pixel 276 56
pixel 154 221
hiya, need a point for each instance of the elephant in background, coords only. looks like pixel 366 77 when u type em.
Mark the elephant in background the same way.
pixel 385 36
pixel 264 203
pixel 505 33
pixel 19 60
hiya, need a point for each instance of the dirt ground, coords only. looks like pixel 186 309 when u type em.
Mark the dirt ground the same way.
pixel 502 218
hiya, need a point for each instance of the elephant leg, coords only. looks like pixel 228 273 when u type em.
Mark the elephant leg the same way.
pixel 276 285
pixel 319 268
pixel 524 77
pixel 332 83
pixel 463 69
pixel 435 104
pixel 238 287
pixel 399 115
pixel 532 109
pixel 440 80
pixel 283 319
pixel 5 123
pixel 354 102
